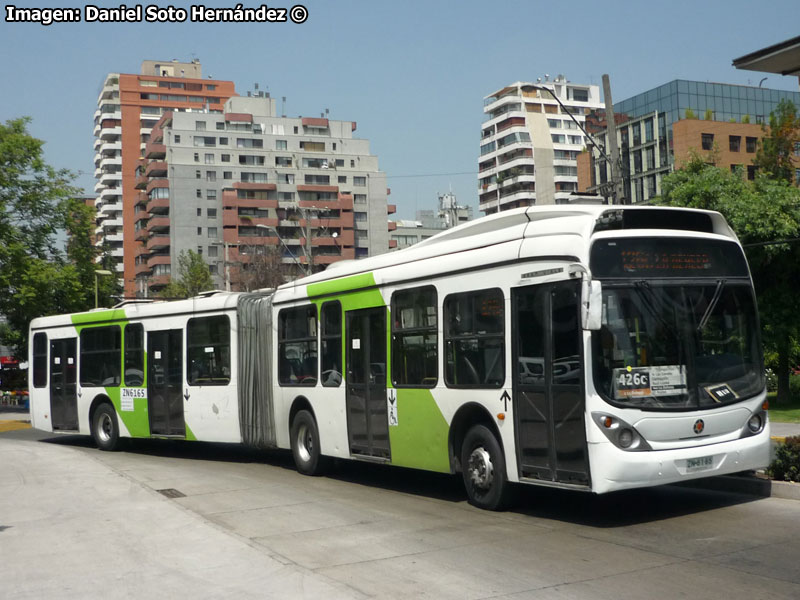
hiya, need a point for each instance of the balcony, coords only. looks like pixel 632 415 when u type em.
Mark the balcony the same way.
pixel 158 242
pixel 158 259
pixel 142 215
pixel 141 182
pixel 143 269
pixel 157 225
pixel 157 205
pixel 156 169
pixel 246 185
pixel 110 134
pixel 156 183
pixel 155 150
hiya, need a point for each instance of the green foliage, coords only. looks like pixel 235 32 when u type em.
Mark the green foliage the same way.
pixel 764 210
pixel 690 114
pixel 36 200
pixel 193 277
pixel 786 466
pixel 709 115
pixel 745 119
pixel 775 149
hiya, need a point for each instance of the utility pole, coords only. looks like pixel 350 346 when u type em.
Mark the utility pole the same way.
pixel 617 195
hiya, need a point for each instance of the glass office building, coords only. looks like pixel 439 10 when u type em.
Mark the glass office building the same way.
pixel 726 102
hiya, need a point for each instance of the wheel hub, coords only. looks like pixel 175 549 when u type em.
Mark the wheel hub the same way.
pixel 480 468
pixel 305 443
pixel 104 431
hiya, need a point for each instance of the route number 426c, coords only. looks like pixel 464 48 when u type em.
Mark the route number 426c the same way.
pixel 636 379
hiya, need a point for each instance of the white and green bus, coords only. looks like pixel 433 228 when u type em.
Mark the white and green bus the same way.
pixel 586 347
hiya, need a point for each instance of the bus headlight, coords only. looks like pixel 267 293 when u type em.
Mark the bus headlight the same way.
pixel 755 424
pixel 620 433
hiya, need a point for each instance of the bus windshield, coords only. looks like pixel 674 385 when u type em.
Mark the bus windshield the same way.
pixel 677 346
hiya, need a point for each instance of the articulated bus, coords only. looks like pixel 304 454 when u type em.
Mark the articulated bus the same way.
pixel 592 348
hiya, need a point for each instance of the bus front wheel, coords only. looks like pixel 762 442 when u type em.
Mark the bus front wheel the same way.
pixel 484 469
pixel 105 429
pixel 305 444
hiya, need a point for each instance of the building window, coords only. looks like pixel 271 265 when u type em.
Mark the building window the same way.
pixel 134 354
pixel 474 339
pixel 342 178
pixel 225 158
pixel 177 139
pixel 198 174
pixel 196 157
pixel 750 144
pixel 297 346
pixel 199 212
pixel 211 194
pixel 199 193
pixel 331 343
pixel 208 351
pixel 648 130
pixel 734 142
pixel 707 141
pixel 221 125
pixel 227 174
pixel 223 141
pixel 735 168
pixel 212 232
pixel 360 217
pixel 209 159
pixel 101 355
pixel 281 145
pixel 359 198
pixel 211 175
pixel 414 338
pixel 360 181
pixel 212 252
pixel 751 172
pixel 200 125
pixel 199 231
pixel 797 176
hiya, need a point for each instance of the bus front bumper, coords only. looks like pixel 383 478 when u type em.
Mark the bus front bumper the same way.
pixel 615 469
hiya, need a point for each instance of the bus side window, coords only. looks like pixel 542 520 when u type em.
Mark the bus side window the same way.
pixel 40 360
pixel 474 339
pixel 415 340
pixel 297 346
pixel 134 354
pixel 101 356
pixel 208 350
pixel 331 343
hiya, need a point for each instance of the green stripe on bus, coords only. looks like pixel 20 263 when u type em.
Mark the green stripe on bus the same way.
pixel 342 286
pixel 419 439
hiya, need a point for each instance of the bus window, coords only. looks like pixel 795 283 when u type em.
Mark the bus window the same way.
pixel 134 354
pixel 40 360
pixel 297 346
pixel 208 350
pixel 331 343
pixel 474 333
pixel 101 356
pixel 414 338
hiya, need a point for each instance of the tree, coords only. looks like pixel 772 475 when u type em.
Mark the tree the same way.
pixel 36 277
pixel 776 148
pixel 264 270
pixel 762 211
pixel 194 277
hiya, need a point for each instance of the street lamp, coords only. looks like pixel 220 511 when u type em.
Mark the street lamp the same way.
pixel 104 273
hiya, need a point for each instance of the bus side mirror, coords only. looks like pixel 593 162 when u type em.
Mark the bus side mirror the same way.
pixel 591 305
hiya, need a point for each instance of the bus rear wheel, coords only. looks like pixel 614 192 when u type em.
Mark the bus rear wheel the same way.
pixel 105 429
pixel 484 470
pixel 305 445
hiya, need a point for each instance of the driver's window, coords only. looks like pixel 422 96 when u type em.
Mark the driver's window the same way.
pixel 331 343
pixel 297 346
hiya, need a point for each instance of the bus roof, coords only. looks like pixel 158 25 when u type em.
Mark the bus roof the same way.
pixel 520 224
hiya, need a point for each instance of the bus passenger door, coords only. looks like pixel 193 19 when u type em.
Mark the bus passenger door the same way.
pixel 367 415
pixel 548 398
pixel 63 384
pixel 165 382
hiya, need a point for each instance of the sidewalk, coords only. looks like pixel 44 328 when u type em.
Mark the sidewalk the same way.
pixel 13 418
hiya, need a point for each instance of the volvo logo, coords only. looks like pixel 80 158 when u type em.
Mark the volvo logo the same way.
pixel 699 425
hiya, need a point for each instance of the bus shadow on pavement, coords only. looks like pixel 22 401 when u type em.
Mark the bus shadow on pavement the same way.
pixel 616 509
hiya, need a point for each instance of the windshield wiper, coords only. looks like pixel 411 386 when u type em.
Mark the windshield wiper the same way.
pixel 711 305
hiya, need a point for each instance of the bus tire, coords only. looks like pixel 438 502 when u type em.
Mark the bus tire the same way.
pixel 305 444
pixel 105 429
pixel 483 467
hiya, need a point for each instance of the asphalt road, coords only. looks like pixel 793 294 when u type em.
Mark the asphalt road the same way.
pixel 167 519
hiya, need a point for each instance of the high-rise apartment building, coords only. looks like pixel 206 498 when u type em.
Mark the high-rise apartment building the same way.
pixel 530 142
pixel 226 184
pixel 657 128
pixel 127 108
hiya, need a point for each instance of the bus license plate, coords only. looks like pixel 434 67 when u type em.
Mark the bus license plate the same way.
pixel 699 464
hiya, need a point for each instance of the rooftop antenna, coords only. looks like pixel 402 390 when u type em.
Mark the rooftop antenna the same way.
pixel 283 107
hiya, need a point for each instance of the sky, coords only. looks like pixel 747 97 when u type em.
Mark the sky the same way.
pixel 412 74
